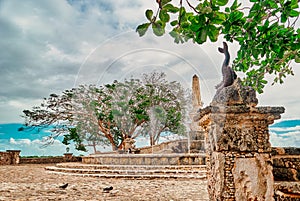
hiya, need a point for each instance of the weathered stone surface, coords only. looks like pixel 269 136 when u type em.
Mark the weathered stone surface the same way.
pixel 285 151
pixel 32 182
pixel 287 191
pixel 253 179
pixel 236 94
pixel 237 141
pixel 216 175
pixel 10 157
pixel 145 159
pixel 286 167
pixel 238 132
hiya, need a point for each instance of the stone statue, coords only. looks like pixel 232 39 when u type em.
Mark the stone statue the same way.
pixel 228 74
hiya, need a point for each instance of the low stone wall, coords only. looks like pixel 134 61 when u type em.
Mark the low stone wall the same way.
pixel 145 159
pixel 286 164
pixel 57 159
pixel 176 146
pixel 10 157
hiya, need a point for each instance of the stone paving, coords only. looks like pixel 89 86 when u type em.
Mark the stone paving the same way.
pixel 32 182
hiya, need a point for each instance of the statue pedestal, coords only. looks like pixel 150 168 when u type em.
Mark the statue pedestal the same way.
pixel 237 145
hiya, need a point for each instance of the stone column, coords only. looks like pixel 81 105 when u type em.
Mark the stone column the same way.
pixel 196 135
pixel 237 145
pixel 196 95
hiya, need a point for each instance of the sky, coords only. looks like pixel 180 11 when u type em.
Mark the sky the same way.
pixel 52 45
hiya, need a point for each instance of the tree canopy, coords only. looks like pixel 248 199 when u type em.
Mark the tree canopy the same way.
pixel 109 114
pixel 266 32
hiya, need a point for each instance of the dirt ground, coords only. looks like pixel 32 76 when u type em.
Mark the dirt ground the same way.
pixel 32 182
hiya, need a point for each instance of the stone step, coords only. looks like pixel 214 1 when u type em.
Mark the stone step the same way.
pixel 144 176
pixel 129 171
pixel 123 171
pixel 145 159
pixel 287 190
pixel 131 167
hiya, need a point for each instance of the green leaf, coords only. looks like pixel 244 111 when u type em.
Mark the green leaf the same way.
pixel 149 14
pixel 294 13
pixel 235 5
pixel 213 33
pixel 174 23
pixel 235 16
pixel 164 2
pixel 195 27
pixel 264 81
pixel 170 8
pixel 220 2
pixel 283 18
pixel 164 16
pixel 158 28
pixel 201 36
pixel 294 4
pixel 219 18
pixel 297 58
pixel 142 29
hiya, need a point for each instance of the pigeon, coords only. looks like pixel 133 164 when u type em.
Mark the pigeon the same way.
pixel 64 186
pixel 107 189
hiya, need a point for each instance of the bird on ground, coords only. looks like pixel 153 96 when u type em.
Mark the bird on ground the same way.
pixel 107 189
pixel 64 186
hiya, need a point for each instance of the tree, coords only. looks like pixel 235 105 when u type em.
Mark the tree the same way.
pixel 167 106
pixel 265 31
pixel 109 114
pixel 69 115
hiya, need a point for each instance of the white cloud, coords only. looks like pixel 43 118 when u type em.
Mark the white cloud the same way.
pixel 20 141
pixel 49 46
pixel 36 147
pixel 291 139
pixel 295 128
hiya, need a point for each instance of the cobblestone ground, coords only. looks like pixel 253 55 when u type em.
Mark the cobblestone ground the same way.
pixel 32 182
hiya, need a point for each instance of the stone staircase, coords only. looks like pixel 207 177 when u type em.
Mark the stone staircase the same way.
pixel 130 171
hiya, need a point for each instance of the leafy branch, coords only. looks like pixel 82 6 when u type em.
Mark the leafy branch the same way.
pixel 266 32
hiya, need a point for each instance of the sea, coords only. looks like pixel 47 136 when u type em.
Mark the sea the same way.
pixel 283 133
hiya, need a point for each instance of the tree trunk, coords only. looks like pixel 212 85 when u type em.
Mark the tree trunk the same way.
pixel 94 147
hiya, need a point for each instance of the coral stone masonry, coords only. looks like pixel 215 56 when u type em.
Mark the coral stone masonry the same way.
pixel 238 150
pixel 10 157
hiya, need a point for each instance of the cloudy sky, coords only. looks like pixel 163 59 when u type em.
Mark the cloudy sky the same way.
pixel 52 45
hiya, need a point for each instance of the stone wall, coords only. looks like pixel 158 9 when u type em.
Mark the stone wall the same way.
pixel 57 159
pixel 176 146
pixel 286 164
pixel 10 157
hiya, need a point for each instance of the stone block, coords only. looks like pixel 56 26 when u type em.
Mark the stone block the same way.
pixel 253 178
